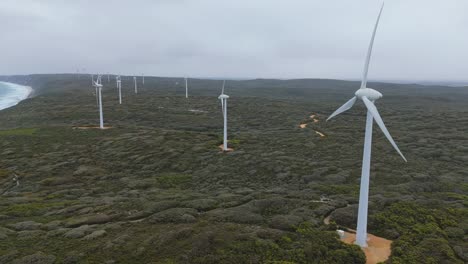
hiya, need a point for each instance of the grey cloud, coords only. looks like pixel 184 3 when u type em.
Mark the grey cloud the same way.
pixel 417 39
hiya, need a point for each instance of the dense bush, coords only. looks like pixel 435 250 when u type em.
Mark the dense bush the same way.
pixel 418 232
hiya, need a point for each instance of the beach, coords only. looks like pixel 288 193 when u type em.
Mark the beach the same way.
pixel 11 94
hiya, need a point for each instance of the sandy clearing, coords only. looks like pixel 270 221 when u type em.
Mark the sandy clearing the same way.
pixel 303 125
pixel 378 249
pixel 228 149
pixel 197 111
pixel 320 133
pixel 313 117
pixel 91 127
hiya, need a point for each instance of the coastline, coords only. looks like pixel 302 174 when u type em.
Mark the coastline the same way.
pixel 19 93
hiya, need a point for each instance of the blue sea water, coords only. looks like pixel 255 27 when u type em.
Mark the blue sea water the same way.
pixel 11 94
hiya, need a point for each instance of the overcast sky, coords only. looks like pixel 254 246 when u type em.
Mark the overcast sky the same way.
pixel 416 39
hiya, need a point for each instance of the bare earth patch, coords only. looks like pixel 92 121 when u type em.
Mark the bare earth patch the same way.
pixel 378 249
pixel 197 111
pixel 228 149
pixel 314 119
pixel 91 127
pixel 320 134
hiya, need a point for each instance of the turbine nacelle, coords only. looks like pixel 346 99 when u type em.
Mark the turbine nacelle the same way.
pixel 97 85
pixel 370 93
pixel 223 96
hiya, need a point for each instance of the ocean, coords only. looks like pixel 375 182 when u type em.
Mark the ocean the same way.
pixel 11 94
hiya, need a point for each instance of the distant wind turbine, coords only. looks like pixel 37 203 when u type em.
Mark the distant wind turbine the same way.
pixel 135 81
pixel 143 79
pixel 98 86
pixel 119 86
pixel 98 80
pixel 223 97
pixel 368 96
pixel 186 87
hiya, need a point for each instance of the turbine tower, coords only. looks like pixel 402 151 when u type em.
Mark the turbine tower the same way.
pixel 135 82
pixel 143 79
pixel 119 86
pixel 98 86
pixel 368 96
pixel 186 87
pixel 223 97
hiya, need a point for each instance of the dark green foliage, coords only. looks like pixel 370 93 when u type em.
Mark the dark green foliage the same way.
pixel 155 188
pixel 306 245
pixel 172 180
pixel 419 233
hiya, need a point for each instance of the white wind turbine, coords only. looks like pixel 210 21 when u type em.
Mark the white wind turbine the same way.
pixel 135 82
pixel 98 80
pixel 223 97
pixel 98 86
pixel 186 87
pixel 119 86
pixel 368 96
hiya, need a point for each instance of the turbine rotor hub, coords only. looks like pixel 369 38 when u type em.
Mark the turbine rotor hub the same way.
pixel 371 94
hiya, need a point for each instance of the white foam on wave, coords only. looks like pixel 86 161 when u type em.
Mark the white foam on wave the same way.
pixel 15 94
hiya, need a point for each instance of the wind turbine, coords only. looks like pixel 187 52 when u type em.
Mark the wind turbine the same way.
pixel 368 96
pixel 143 79
pixel 135 81
pixel 98 80
pixel 223 97
pixel 186 87
pixel 119 86
pixel 98 86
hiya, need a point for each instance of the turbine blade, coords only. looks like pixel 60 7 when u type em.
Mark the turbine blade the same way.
pixel 343 108
pixel 369 51
pixel 224 82
pixel 375 113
